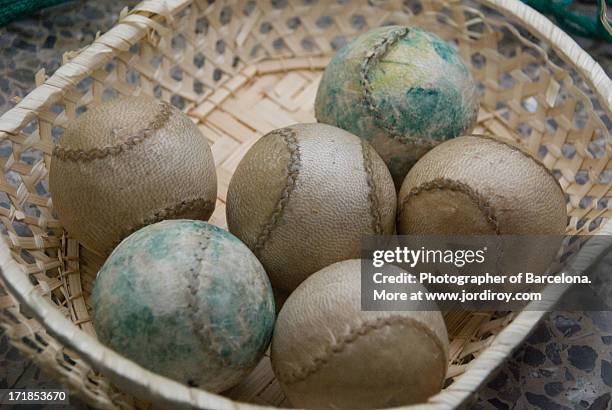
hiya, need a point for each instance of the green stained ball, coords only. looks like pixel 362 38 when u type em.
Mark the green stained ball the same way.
pixel 402 89
pixel 186 300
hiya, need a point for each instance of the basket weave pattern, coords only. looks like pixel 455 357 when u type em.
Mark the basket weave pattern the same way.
pixel 240 69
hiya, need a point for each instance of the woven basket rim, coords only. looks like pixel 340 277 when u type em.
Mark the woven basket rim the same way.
pixel 172 393
pixel 150 14
pixel 566 47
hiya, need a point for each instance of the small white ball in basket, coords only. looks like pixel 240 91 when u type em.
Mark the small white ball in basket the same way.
pixel 304 195
pixel 127 163
pixel 186 300
pixel 327 353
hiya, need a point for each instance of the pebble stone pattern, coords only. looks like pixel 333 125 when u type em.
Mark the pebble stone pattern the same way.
pixel 565 364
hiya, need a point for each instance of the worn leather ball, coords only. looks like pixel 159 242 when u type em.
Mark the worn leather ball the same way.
pixel 187 300
pixel 480 185
pixel 403 89
pixel 327 353
pixel 303 197
pixel 128 163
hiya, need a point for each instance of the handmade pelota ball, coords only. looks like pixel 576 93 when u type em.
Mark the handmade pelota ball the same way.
pixel 402 89
pixel 303 197
pixel 186 300
pixel 480 185
pixel 327 353
pixel 128 163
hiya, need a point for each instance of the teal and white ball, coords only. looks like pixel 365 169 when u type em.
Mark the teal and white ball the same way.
pixel 402 89
pixel 187 300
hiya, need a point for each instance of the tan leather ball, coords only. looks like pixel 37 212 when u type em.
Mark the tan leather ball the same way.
pixel 480 185
pixel 327 353
pixel 303 196
pixel 128 163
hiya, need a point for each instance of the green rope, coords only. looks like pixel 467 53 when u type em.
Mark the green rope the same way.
pixel 575 23
pixel 12 9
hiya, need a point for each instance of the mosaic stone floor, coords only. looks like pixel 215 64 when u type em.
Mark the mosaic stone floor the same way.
pixel 565 364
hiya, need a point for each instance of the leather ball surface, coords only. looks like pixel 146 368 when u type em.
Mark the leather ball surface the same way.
pixel 127 163
pixel 480 185
pixel 186 300
pixel 327 353
pixel 403 89
pixel 303 197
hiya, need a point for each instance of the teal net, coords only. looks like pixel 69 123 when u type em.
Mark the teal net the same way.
pixel 11 9
pixel 575 23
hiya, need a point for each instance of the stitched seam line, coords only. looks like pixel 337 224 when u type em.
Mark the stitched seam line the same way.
pixel 183 206
pixel 444 184
pixel 158 122
pixel 193 306
pixel 293 170
pixel 526 154
pixel 373 202
pixel 200 327
pixel 418 142
pixel 487 210
pixel 381 47
pixel 170 212
pixel 354 334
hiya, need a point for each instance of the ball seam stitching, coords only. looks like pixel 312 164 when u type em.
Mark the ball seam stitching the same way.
pixel 160 119
pixel 524 153
pixel 354 334
pixel 193 308
pixel 442 184
pixel 169 212
pixel 293 169
pixel 380 49
pixel 373 202
pixel 193 287
pixel 485 207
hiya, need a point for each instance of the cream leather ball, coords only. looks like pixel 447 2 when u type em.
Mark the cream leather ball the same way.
pixel 303 197
pixel 327 353
pixel 128 163
pixel 480 185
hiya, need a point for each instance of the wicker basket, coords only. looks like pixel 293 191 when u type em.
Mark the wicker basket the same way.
pixel 241 69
